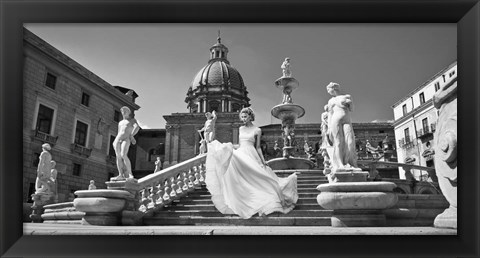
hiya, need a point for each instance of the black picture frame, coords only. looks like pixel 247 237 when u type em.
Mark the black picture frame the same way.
pixel 466 13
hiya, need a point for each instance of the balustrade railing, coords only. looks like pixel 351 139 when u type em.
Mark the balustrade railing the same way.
pixel 162 188
pixel 44 137
pixel 81 150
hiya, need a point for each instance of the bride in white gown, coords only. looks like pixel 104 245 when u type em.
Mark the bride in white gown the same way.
pixel 239 180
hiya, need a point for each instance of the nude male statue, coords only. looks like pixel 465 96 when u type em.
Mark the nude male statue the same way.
pixel 44 170
pixel 127 128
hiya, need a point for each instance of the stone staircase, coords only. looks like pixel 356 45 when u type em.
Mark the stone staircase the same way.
pixel 197 208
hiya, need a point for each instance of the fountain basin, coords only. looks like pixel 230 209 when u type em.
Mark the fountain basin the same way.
pixel 290 163
pixel 288 111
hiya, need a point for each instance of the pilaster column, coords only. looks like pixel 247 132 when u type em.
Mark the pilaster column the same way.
pixel 199 110
pixel 223 105
pixel 204 105
pixel 229 106
pixel 168 137
pixel 176 138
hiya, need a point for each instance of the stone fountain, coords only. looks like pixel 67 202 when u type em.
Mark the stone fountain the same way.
pixel 288 112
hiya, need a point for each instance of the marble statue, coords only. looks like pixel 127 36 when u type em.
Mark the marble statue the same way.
pixel 44 170
pixel 277 149
pixel 445 100
pixel 209 127
pixel 340 131
pixel 158 165
pixel 92 186
pixel 127 128
pixel 286 68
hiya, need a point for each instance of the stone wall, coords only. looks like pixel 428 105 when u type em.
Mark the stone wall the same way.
pixel 72 80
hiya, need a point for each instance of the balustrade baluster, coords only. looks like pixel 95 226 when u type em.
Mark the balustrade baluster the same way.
pixel 202 173
pixel 153 193
pixel 159 196
pixel 196 173
pixel 166 196
pixel 174 186
pixel 180 192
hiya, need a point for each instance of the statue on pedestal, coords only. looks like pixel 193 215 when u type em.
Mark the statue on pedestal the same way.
pixel 44 170
pixel 127 128
pixel 340 131
pixel 92 186
pixel 209 127
pixel 286 68
pixel 158 165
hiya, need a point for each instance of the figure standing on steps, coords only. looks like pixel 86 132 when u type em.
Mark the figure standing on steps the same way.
pixel 209 127
pixel 340 131
pixel 127 128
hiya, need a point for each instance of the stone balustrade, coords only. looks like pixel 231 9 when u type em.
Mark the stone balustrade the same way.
pixel 161 188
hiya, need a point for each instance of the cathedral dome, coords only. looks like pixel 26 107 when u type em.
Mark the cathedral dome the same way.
pixel 218 73
pixel 217 86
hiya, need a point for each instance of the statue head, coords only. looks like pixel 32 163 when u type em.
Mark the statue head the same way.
pixel 46 146
pixel 125 111
pixel 249 112
pixel 92 182
pixel 333 87
pixel 53 163
pixel 208 115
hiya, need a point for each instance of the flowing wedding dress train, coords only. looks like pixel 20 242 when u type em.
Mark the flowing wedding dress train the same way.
pixel 239 184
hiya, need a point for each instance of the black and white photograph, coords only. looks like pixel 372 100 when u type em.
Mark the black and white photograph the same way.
pixel 213 129
pixel 240 128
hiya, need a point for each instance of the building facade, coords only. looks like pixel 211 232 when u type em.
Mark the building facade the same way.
pixel 73 110
pixel 217 86
pixel 414 124
pixel 375 132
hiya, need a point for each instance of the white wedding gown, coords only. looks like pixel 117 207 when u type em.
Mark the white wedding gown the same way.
pixel 239 184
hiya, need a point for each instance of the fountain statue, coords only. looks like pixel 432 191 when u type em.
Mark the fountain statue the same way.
pixel 288 112
pixel 354 201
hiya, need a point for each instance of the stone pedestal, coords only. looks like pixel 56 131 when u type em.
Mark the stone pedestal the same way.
pixel 130 215
pixel 39 201
pixel 357 204
pixel 102 207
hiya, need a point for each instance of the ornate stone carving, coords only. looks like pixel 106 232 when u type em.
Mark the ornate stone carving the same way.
pixel 445 100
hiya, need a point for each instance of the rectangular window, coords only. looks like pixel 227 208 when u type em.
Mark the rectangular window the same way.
pixel 407 135
pixel 85 99
pixel 425 125
pixel 77 169
pixel 44 119
pixel 51 81
pixel 111 150
pixel 81 134
pixel 452 73
pixel 422 98
pixel 36 159
pixel 437 86
pixel 443 75
pixel 116 116
pixel 381 131
pixel 404 108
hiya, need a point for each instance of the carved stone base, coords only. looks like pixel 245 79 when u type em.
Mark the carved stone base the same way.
pixel 102 207
pixel 39 201
pixel 357 204
pixel 447 219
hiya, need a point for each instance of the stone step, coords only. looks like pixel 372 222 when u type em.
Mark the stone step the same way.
pixel 211 207
pixel 236 221
pixel 301 200
pixel 301 189
pixel 208 196
pixel 202 213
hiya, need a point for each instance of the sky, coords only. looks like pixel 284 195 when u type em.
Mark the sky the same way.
pixel 377 64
